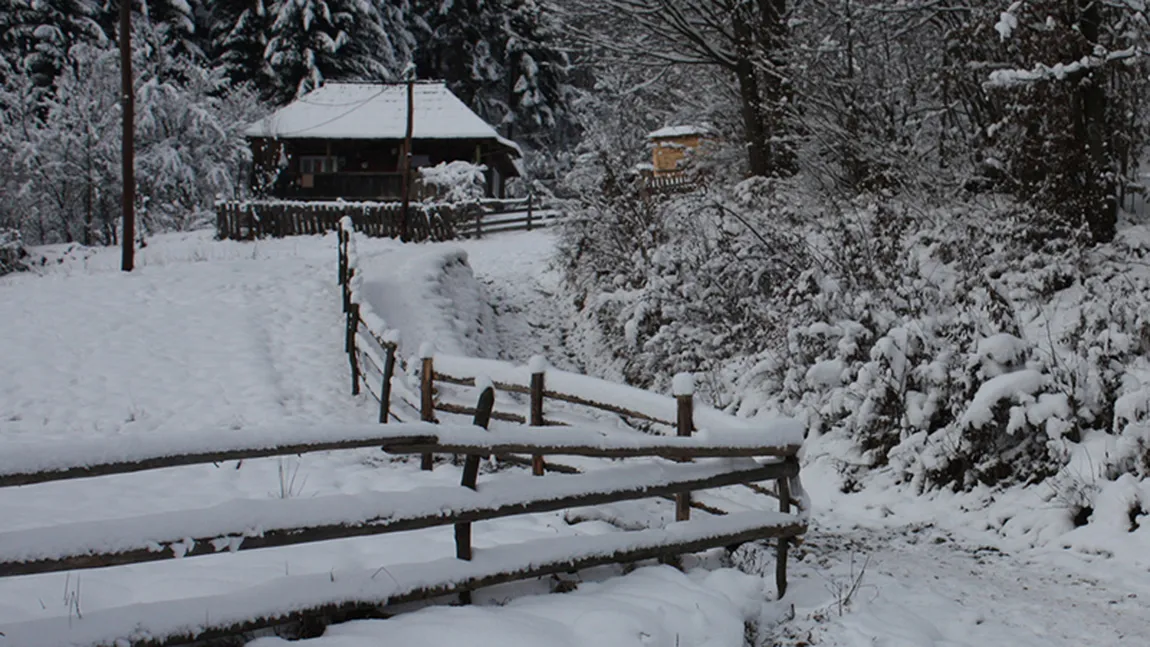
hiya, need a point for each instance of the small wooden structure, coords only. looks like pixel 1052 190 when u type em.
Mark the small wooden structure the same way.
pixel 346 141
pixel 671 145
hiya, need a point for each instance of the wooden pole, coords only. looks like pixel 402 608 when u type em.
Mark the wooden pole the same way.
pixel 128 144
pixel 538 370
pixel 427 400
pixel 385 388
pixel 781 556
pixel 470 476
pixel 352 354
pixel 405 230
pixel 684 391
pixel 471 471
pixel 530 199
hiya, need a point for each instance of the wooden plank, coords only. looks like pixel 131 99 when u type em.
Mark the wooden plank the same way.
pixel 128 467
pixel 665 451
pixel 594 492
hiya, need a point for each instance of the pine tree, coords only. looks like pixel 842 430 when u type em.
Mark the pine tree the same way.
pixel 238 40
pixel 313 40
pixel 55 27
pixel 501 58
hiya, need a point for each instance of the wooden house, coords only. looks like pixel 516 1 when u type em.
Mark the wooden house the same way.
pixel 346 140
pixel 671 145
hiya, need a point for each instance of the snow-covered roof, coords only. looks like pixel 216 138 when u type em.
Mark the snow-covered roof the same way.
pixel 375 111
pixel 678 131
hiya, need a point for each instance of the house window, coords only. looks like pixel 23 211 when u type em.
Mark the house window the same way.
pixel 316 164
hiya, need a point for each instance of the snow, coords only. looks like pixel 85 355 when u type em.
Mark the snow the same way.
pixel 1007 387
pixel 683 384
pixel 669 132
pixel 375 111
pixel 651 606
pixel 988 567
pixel 292 593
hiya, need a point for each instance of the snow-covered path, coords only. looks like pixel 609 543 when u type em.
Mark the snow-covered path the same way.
pixel 531 319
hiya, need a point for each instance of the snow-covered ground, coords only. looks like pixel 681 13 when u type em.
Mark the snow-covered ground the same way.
pixel 210 335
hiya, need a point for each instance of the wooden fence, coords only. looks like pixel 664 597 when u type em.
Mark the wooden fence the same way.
pixel 743 456
pixel 252 219
pixel 539 383
pixel 500 216
pixel 261 524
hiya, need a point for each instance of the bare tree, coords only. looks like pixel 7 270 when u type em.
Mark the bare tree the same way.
pixel 746 38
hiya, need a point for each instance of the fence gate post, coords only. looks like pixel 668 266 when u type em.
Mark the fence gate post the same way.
pixel 538 367
pixel 426 395
pixel 683 388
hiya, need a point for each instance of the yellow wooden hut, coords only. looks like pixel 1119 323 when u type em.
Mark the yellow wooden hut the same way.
pixel 670 145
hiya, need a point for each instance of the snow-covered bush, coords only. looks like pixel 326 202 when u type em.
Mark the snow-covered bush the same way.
pixel 457 181
pixel 12 251
pixel 942 344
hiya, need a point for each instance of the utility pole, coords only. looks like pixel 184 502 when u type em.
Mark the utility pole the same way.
pixel 128 151
pixel 405 213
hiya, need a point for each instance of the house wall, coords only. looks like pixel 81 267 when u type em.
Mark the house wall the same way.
pixel 355 169
pixel 668 151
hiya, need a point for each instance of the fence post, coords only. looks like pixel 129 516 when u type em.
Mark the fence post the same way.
pixel 538 367
pixel 426 395
pixel 784 488
pixel 470 476
pixel 385 388
pixel 342 246
pixel 530 200
pixel 352 355
pixel 479 222
pixel 683 388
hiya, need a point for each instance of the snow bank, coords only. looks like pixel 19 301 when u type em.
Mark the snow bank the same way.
pixel 655 605
pixel 429 294
pixel 297 593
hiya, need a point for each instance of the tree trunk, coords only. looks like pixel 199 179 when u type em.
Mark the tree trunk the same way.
pixel 777 91
pixel 755 130
pixel 1102 216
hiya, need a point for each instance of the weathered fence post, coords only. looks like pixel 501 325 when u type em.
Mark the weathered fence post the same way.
pixel 538 367
pixel 784 487
pixel 385 388
pixel 683 388
pixel 478 223
pixel 471 475
pixel 342 247
pixel 427 395
pixel 530 200
pixel 352 355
